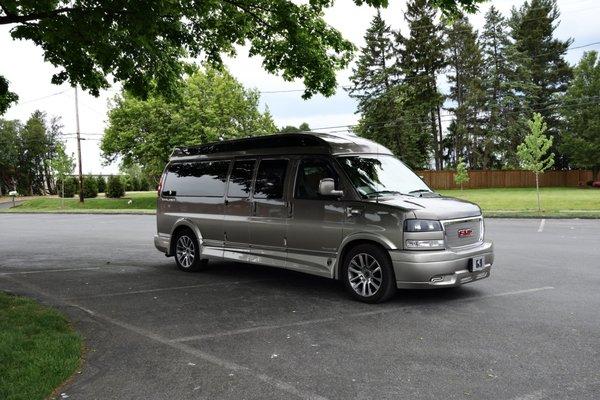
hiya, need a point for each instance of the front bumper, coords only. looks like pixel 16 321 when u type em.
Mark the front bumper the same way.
pixel 444 268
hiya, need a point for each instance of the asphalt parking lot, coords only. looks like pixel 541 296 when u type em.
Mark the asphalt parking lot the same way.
pixel 531 331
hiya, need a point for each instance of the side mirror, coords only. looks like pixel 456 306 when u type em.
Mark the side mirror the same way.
pixel 327 188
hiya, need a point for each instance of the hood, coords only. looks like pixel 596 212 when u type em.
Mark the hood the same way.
pixel 434 207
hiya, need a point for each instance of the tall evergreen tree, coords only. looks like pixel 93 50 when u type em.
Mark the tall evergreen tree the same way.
pixel 371 76
pixel 465 61
pixel 506 78
pixel 388 115
pixel 421 58
pixel 533 27
pixel 582 115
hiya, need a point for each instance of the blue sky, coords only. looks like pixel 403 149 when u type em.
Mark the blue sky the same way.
pixel 22 63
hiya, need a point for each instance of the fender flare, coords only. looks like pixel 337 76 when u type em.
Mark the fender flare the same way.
pixel 186 222
pixel 361 236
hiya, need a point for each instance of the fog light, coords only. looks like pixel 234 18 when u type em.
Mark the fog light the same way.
pixel 424 244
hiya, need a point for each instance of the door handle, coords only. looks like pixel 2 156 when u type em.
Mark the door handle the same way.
pixel 290 209
pixel 254 208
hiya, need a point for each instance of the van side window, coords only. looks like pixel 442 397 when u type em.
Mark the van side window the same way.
pixel 205 178
pixel 270 179
pixel 310 173
pixel 240 181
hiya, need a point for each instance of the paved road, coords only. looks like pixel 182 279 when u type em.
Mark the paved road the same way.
pixel 532 331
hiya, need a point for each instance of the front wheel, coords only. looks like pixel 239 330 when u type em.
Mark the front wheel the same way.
pixel 187 252
pixel 368 274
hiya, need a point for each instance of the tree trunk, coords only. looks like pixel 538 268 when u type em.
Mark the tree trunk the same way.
pixel 436 144
pixel 537 189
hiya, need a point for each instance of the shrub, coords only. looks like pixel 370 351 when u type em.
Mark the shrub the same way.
pixel 134 183
pixel 114 187
pixel 70 187
pixel 90 187
pixel 101 183
pixel 144 184
pixel 596 184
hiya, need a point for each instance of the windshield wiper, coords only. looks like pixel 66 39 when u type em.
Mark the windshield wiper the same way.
pixel 382 192
pixel 422 192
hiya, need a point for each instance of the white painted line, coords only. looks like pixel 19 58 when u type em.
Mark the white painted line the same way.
pixel 537 395
pixel 219 362
pixel 41 271
pixel 333 319
pixel 166 289
pixel 542 223
pixel 232 366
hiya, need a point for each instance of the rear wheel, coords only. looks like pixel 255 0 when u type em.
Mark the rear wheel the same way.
pixel 187 251
pixel 368 275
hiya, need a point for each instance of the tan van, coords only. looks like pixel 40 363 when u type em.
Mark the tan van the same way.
pixel 337 206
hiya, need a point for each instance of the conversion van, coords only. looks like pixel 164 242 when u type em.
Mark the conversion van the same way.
pixel 337 206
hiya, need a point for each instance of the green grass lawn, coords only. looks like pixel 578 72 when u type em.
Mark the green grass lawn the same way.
pixel 556 202
pixel 144 202
pixel 499 202
pixel 38 349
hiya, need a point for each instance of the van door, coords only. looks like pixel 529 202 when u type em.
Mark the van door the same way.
pixel 315 223
pixel 269 213
pixel 237 209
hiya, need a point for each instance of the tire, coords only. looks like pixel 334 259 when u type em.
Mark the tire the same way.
pixel 364 267
pixel 187 251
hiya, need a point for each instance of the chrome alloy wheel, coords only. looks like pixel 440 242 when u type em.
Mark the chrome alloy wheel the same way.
pixel 365 274
pixel 185 251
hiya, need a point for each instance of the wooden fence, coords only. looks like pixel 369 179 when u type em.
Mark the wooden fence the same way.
pixel 490 179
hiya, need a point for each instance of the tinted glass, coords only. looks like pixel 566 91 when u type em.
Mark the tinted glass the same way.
pixel 197 178
pixel 270 179
pixel 381 175
pixel 310 173
pixel 240 180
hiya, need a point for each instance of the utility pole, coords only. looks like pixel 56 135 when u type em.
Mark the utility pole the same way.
pixel 79 147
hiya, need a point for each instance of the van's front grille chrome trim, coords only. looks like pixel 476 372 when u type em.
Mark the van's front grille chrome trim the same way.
pixel 463 233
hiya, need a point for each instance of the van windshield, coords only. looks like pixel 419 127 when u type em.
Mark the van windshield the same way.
pixel 381 175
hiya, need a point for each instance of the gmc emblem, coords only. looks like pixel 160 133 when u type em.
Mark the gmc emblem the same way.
pixel 465 233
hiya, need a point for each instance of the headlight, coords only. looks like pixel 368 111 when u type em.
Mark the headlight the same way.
pixel 422 225
pixel 424 244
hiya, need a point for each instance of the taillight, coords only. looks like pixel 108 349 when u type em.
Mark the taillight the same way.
pixel 160 184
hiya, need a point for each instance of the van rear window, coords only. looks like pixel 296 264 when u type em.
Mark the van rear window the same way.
pixel 206 178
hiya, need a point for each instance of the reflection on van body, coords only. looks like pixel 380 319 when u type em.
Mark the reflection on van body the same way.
pixel 337 206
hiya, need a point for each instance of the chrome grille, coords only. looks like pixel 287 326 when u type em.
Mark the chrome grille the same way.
pixel 472 228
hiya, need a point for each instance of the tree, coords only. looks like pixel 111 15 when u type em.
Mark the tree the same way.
pixel 421 58
pixel 144 43
pixel 62 165
pixel 9 156
pixel 396 121
pixel 533 28
pixel 303 127
pixel 462 173
pixel 6 97
pixel 114 187
pixel 372 76
pixel 533 151
pixel 464 58
pixel 389 116
pixel 101 183
pixel 581 139
pixel 505 79
pixel 211 106
pixel 90 187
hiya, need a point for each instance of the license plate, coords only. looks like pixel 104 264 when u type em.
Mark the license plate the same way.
pixel 477 263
